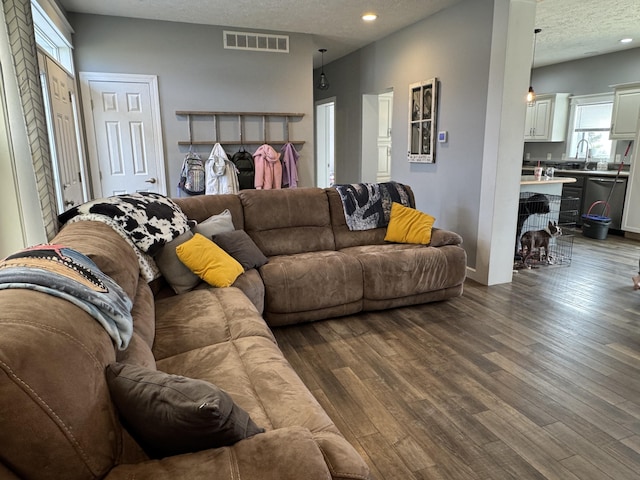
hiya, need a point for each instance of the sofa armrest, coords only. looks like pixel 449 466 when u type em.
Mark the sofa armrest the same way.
pixel 440 238
pixel 282 454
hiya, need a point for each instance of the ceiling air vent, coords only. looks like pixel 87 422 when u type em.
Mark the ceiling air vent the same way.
pixel 262 42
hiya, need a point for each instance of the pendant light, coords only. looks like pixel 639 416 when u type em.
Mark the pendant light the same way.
pixel 323 84
pixel 531 94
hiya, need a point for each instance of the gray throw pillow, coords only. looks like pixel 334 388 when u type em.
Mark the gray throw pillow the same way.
pixel 215 224
pixel 239 245
pixel 170 414
pixel 176 273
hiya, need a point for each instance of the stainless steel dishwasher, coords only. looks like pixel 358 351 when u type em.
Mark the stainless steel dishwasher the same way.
pixel 597 189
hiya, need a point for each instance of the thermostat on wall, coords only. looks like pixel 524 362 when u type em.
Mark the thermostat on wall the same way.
pixel 442 137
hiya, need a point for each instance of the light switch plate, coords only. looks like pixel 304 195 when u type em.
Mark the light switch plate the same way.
pixel 442 136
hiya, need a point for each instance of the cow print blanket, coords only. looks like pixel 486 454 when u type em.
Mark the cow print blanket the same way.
pixel 146 220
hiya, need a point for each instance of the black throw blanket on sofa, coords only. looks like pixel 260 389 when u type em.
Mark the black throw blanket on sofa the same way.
pixel 368 205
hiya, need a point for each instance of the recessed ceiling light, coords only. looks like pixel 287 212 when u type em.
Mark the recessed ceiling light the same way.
pixel 626 40
pixel 369 17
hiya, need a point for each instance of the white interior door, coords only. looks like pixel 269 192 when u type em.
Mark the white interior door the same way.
pixel 385 113
pixel 122 116
pixel 325 143
pixel 377 114
pixel 59 92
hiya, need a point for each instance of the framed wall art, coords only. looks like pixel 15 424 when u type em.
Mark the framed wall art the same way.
pixel 423 100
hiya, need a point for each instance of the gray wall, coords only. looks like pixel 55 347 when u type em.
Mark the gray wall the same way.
pixel 195 72
pixel 454 46
pixel 583 77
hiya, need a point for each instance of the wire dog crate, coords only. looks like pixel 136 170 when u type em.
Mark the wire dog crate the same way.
pixel 546 227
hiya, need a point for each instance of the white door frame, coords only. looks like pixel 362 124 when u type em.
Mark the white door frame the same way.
pixel 152 82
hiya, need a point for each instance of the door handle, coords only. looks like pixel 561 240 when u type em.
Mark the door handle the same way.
pixel 150 180
pixel 69 203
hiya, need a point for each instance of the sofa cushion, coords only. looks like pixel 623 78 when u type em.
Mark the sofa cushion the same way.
pixel 256 374
pixel 239 245
pixel 401 270
pixel 310 281
pixel 408 225
pixel 288 221
pixel 283 454
pixel 172 414
pixel 205 317
pixel 209 261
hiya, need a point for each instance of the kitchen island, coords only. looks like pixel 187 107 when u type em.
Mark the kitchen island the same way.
pixel 549 186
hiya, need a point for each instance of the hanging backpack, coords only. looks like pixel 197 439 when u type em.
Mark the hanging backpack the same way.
pixel 243 161
pixel 192 176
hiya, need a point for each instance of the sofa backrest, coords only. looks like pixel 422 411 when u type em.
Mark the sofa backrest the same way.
pixel 56 415
pixel 344 237
pixel 201 207
pixel 287 221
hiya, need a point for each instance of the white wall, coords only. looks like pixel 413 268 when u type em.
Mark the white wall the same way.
pixel 195 72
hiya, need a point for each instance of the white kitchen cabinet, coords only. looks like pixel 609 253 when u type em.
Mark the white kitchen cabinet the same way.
pixel 631 214
pixel 546 119
pixel 626 106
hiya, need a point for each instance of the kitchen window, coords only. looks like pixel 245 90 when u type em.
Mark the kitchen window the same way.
pixel 590 120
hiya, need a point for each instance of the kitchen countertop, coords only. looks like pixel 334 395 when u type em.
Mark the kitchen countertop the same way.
pixel 531 180
pixel 596 173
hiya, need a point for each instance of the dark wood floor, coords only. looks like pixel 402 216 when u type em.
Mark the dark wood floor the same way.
pixel 535 379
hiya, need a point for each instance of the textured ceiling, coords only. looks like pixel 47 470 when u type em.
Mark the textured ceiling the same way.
pixel 337 24
pixel 574 29
pixel 571 29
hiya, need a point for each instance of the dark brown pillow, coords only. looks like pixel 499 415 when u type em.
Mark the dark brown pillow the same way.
pixel 170 414
pixel 239 245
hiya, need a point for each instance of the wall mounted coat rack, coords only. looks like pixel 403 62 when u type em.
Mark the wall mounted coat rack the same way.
pixel 267 117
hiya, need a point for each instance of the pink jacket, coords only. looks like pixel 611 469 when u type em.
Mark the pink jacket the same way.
pixel 268 168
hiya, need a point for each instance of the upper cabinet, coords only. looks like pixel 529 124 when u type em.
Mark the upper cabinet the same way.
pixel 546 119
pixel 626 107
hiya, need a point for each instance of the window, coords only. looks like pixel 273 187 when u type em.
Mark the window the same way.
pixel 49 37
pixel 590 120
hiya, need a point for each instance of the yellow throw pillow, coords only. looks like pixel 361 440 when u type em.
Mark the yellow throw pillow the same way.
pixel 209 261
pixel 408 225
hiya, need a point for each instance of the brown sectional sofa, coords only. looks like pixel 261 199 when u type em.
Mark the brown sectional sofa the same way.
pixel 57 419
pixel 304 234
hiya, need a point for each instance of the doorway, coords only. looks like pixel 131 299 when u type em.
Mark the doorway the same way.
pixel 325 143
pixel 377 115
pixel 124 137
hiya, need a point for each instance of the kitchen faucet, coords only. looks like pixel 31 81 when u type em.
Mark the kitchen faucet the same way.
pixel 586 156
